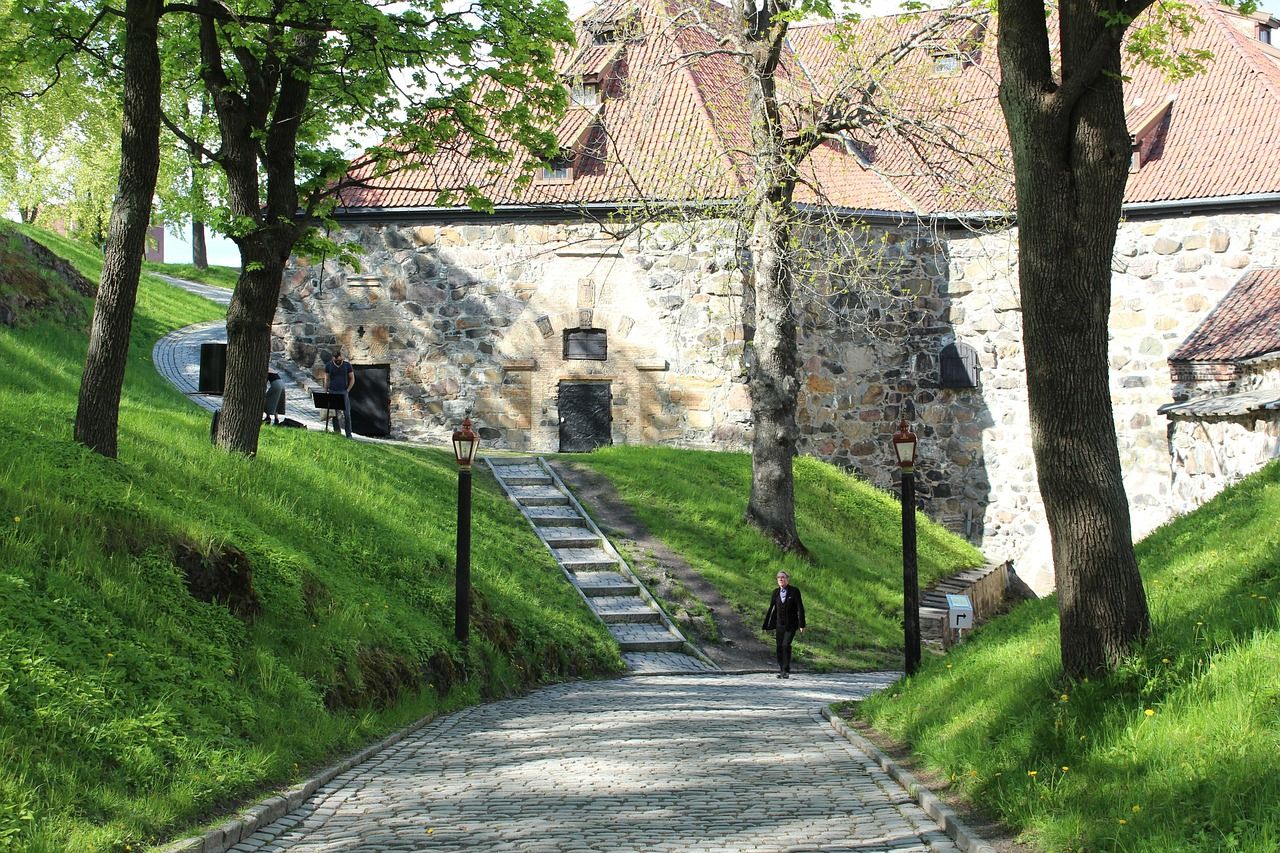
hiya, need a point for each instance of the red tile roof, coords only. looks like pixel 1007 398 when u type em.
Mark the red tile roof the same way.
pixel 674 124
pixel 1245 324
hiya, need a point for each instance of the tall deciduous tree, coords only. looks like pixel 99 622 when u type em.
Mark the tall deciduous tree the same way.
pixel 282 78
pixel 97 414
pixel 1064 110
pixel 858 104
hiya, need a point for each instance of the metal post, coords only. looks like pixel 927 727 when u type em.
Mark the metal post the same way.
pixel 462 579
pixel 910 582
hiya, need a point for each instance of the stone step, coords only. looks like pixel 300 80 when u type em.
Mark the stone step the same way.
pixel 585 559
pixel 544 499
pixel 556 516
pixel 528 494
pixel 569 537
pixel 659 662
pixel 526 479
pixel 605 584
pixel 617 609
pixel 645 638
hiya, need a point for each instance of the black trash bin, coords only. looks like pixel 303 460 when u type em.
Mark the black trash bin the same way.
pixel 371 400
pixel 213 368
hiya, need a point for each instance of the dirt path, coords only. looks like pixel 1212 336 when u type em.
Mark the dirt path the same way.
pixel 729 638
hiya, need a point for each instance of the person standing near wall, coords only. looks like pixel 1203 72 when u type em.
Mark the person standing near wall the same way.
pixel 275 392
pixel 341 378
pixel 785 617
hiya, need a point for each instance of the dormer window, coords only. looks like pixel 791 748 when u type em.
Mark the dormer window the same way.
pixel 558 171
pixel 585 94
pixel 1264 33
pixel 947 65
pixel 606 35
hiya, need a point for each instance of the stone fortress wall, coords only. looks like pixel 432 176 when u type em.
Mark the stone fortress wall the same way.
pixel 472 317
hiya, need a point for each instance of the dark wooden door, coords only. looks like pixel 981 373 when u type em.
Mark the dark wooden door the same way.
pixel 586 420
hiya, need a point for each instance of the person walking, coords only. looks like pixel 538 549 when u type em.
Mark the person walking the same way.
pixel 785 617
pixel 275 393
pixel 341 378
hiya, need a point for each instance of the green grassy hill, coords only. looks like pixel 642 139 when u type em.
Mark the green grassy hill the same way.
pixel 852 585
pixel 1178 751
pixel 130 710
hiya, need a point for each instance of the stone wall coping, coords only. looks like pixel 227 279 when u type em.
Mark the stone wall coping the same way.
pixel 653 364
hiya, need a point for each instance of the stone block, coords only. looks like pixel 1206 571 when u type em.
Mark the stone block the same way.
pixel 1195 303
pixel 700 420
pixel 1219 240
pixel 819 384
pixel 1236 260
pixel 1195 241
pixel 1190 262
pixel 1166 246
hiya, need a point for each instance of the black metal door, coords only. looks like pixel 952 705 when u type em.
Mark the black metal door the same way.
pixel 371 400
pixel 586 421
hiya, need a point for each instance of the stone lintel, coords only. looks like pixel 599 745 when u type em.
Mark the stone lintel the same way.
pixel 652 364
pixel 513 364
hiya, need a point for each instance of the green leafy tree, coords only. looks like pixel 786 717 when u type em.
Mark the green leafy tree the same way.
pixel 1061 91
pixel 282 80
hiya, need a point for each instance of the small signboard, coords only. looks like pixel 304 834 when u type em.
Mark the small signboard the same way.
pixel 960 611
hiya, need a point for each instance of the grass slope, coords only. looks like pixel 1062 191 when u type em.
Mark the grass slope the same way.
pixel 129 710
pixel 853 586
pixel 214 275
pixel 1178 751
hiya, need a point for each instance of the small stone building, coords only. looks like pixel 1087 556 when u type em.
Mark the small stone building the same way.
pixel 570 318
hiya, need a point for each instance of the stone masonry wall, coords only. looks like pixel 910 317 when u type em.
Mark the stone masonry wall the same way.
pixel 471 318
pixel 1211 453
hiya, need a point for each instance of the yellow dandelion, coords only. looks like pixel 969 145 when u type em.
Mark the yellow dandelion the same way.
pixel 948 666
pixel 110 654
pixel 17 519
pixel 430 829
pixel 973 773
pixel 1083 738
pixel 1064 698
pixel 1032 773
pixel 1164 660
pixel 1123 821
pixel 1149 712
pixel 1136 808
pixel 1065 768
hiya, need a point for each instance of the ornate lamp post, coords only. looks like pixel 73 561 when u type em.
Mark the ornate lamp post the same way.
pixel 465 445
pixel 904 447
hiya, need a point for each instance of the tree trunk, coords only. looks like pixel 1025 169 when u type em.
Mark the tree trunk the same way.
pixel 1071 161
pixel 773 370
pixel 773 366
pixel 97 415
pixel 199 253
pixel 249 318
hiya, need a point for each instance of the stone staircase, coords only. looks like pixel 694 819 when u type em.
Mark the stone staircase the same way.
pixel 648 639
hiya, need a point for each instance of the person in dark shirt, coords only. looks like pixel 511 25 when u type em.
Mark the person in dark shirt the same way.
pixel 785 617
pixel 340 378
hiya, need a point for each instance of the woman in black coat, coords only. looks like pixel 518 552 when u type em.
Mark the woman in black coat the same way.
pixel 785 617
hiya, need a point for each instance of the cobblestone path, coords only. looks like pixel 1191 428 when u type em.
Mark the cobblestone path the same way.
pixel 672 763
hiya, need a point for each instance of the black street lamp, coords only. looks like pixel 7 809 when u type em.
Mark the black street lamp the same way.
pixel 465 445
pixel 904 447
